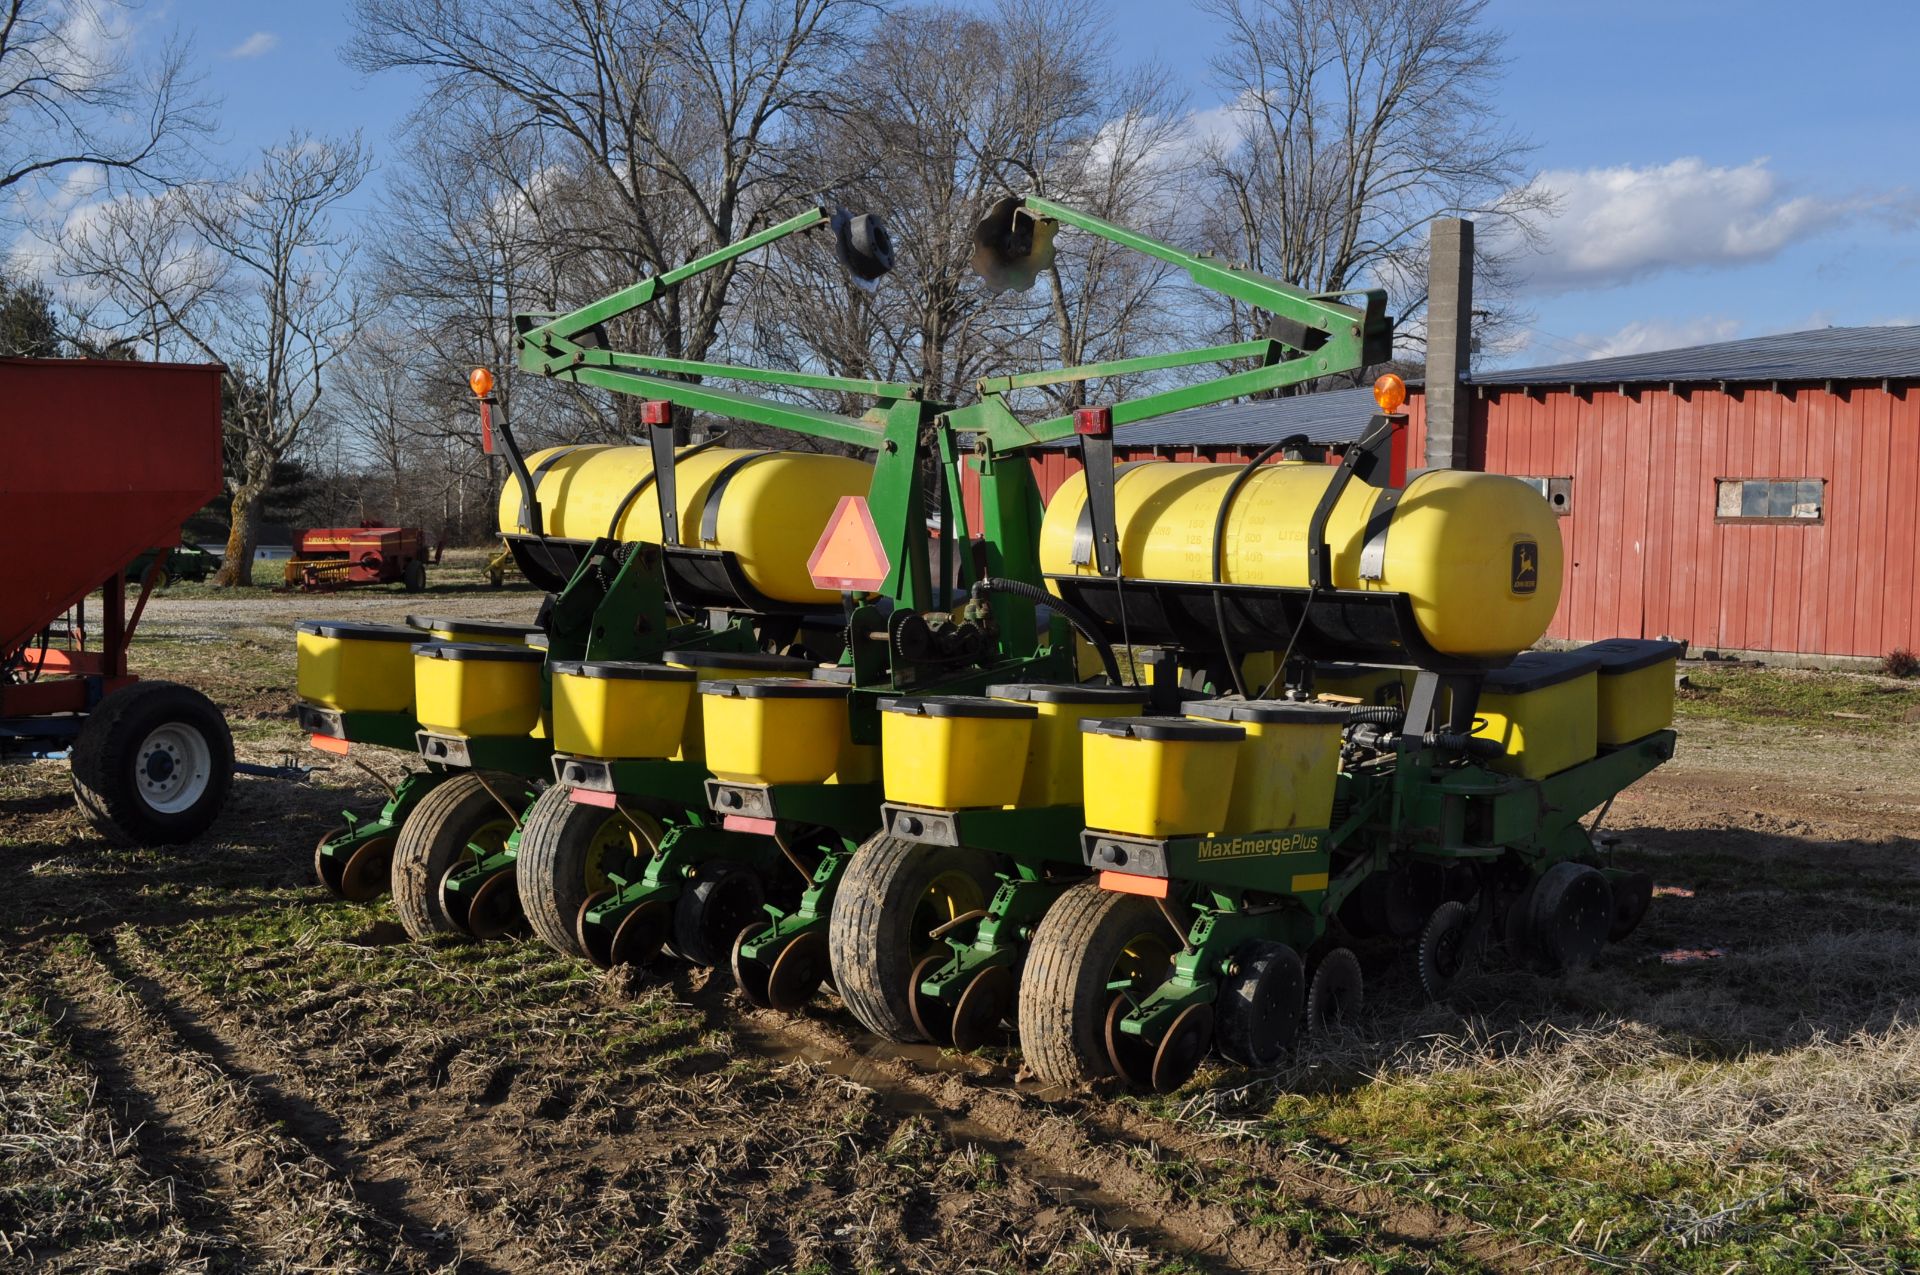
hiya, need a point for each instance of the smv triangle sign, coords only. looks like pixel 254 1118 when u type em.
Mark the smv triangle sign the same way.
pixel 849 557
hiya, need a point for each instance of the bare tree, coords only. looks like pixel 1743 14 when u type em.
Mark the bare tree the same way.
pixel 250 273
pixel 72 96
pixel 948 110
pixel 1352 123
pixel 664 118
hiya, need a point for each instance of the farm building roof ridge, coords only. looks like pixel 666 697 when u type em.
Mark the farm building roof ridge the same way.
pixel 1889 353
pixel 1819 354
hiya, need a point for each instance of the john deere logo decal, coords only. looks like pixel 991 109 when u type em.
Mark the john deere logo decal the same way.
pixel 1526 567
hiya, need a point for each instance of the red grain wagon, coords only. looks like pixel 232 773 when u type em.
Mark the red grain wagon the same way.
pixel 104 460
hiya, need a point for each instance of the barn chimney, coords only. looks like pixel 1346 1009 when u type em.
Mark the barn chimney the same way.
pixel 1449 341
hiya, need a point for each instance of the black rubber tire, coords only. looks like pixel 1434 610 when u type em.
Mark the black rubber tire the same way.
pixel 1570 915
pixel 1063 990
pixel 1632 896
pixel 1442 954
pixel 709 914
pixel 414 578
pixel 551 871
pixel 1258 1015
pixel 871 943
pixel 107 756
pixel 1336 995
pixel 433 836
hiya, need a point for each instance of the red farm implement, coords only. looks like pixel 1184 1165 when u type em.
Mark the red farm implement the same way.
pixel 335 557
pixel 103 461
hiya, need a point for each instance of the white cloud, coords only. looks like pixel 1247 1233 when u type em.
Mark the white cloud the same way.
pixel 1618 224
pixel 254 45
pixel 1643 335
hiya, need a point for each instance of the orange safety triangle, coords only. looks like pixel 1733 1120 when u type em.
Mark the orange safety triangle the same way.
pixel 850 557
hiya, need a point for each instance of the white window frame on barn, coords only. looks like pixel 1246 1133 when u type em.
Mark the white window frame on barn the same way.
pixel 1558 492
pixel 1795 501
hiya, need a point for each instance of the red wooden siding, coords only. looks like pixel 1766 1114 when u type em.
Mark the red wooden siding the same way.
pixel 1645 556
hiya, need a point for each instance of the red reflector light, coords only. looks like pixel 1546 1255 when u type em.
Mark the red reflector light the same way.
pixel 328 744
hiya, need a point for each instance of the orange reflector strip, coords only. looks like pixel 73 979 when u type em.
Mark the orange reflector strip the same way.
pixel 590 797
pixel 747 823
pixel 1128 883
pixel 328 744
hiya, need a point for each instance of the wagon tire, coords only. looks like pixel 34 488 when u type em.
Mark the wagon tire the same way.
pixel 153 764
pixel 414 578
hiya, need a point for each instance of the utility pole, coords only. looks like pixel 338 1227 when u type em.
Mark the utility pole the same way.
pixel 1449 410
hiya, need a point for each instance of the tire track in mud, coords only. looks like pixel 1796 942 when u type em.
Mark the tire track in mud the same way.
pixel 1092 1152
pixel 242 1124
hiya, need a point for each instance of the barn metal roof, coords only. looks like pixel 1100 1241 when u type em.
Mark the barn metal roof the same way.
pixel 1342 416
pixel 1823 354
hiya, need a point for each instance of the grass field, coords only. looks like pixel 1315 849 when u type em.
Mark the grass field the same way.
pixel 205 1064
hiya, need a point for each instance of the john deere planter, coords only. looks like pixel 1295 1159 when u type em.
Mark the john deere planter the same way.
pixel 793 734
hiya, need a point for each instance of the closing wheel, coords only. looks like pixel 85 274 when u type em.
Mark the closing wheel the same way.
pixel 933 1017
pixel 454 906
pixel 153 764
pixel 641 933
pixel 1632 896
pixel 596 941
pixel 749 975
pixel 327 871
pixel 894 895
pixel 567 851
pixel 441 834
pixel 706 917
pixel 1571 913
pixel 1258 1014
pixel 982 1007
pixel 1334 996
pixel 495 908
pixel 1130 1056
pixel 1182 1048
pixel 1443 948
pixel 797 972
pixel 364 876
pixel 1092 947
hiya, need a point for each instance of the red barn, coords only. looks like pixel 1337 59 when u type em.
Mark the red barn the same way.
pixel 1754 497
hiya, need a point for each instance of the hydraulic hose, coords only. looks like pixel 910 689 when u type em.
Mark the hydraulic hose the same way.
pixel 1219 554
pixel 1073 615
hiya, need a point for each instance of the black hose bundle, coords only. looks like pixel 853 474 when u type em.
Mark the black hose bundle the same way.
pixel 1073 615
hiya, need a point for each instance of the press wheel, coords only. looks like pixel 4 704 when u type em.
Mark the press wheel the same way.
pixel 495 908
pixel 1443 948
pixel 797 972
pixel 982 1007
pixel 894 896
pixel 327 871
pixel 367 872
pixel 751 975
pixel 595 941
pixel 1130 1057
pixel 1258 1014
pixel 1632 896
pixel 1334 997
pixel 1092 948
pixel 934 1017
pixel 1570 916
pixel 708 914
pixel 1182 1048
pixel 454 907
pixel 638 938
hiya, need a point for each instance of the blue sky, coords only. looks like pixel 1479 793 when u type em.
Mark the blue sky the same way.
pixel 1727 169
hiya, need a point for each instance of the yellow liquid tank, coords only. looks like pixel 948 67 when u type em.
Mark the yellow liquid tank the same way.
pixel 770 513
pixel 1478 555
